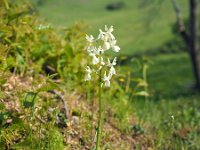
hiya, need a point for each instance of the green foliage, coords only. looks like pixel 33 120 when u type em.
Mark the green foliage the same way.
pixel 29 99
pixel 30 47
pixel 55 139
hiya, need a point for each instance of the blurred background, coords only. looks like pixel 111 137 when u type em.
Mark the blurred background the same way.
pixel 145 28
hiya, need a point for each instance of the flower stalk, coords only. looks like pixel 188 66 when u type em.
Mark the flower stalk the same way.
pixel 96 49
pixel 99 127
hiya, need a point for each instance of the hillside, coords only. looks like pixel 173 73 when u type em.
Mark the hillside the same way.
pixel 144 98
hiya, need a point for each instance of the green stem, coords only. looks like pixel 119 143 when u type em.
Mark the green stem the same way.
pixel 6 4
pixel 100 115
pixel 145 80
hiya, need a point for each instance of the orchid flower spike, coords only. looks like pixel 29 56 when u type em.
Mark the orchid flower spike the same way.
pixel 96 49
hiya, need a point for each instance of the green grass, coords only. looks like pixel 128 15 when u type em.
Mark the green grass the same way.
pixel 137 29
pixel 155 120
pixel 171 75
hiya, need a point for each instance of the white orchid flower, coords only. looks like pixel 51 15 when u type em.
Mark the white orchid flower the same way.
pixel 95 51
pixel 90 38
pixel 106 80
pixel 88 73
pixel 111 65
pixel 90 49
pixel 114 47
pixel 109 32
pixel 101 34
pixel 107 35
pixel 114 62
pixel 106 46
pixel 100 50
pixel 95 60
pixel 112 71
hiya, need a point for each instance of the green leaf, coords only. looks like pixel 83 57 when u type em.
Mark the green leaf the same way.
pixel 142 93
pixel 23 145
pixel 142 83
pixel 49 85
pixel 20 60
pixel 69 51
pixel 3 116
pixel 2 106
pixel 29 99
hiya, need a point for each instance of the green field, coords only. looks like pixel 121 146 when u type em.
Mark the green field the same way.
pixel 137 29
